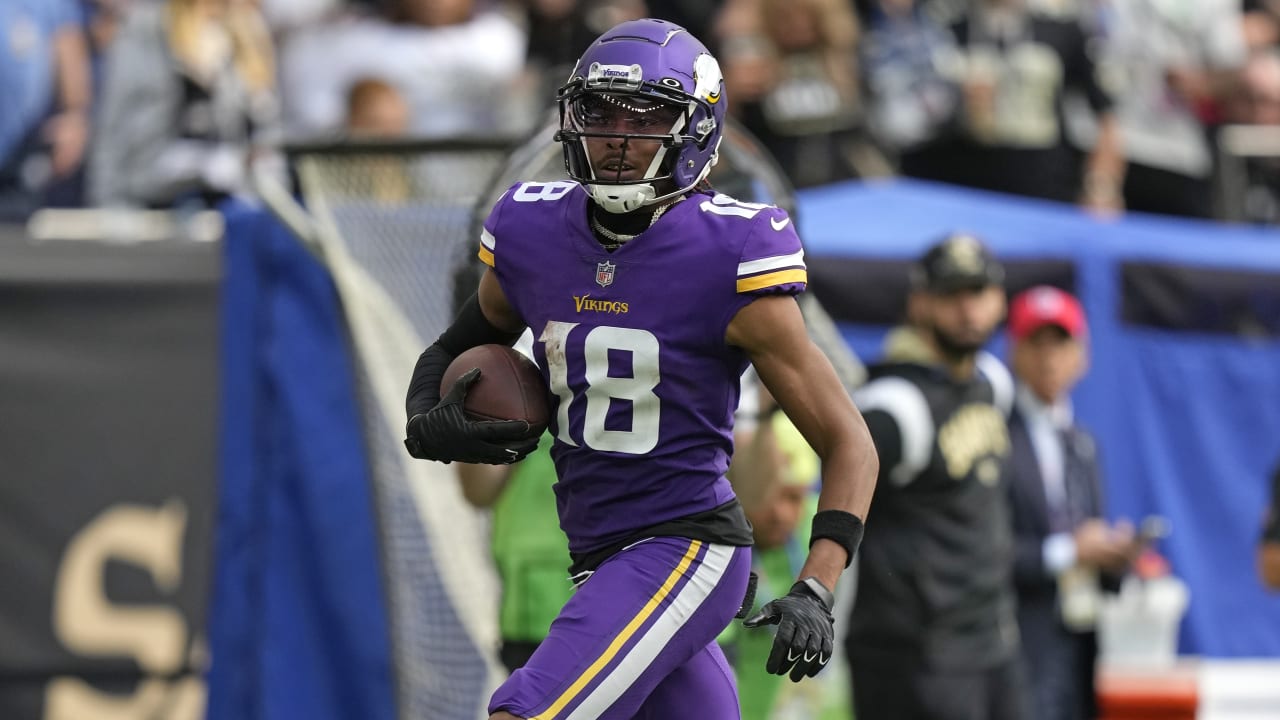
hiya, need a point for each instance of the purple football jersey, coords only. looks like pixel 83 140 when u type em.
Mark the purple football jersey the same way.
pixel 632 345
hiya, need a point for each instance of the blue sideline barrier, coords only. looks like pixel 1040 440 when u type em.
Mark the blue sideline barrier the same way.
pixel 298 622
pixel 1187 422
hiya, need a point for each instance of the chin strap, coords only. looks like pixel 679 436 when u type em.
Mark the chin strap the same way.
pixel 619 199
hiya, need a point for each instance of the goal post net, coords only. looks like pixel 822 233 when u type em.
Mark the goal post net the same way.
pixel 392 223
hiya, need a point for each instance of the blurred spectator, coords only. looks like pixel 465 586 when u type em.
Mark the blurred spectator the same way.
pixel 933 631
pixel 1269 546
pixel 529 548
pixel 791 68
pixel 696 16
pixel 102 22
pixel 1261 23
pixel 456 63
pixel 530 551
pixel 377 111
pixel 1175 64
pixel 909 65
pixel 773 473
pixel 189 103
pixel 375 108
pixel 1063 546
pixel 285 16
pixel 1258 99
pixel 1017 66
pixel 560 30
pixel 1252 183
pixel 45 80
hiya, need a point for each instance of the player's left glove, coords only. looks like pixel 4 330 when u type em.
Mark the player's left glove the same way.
pixel 806 629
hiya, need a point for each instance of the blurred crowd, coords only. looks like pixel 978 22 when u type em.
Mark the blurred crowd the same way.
pixel 1112 104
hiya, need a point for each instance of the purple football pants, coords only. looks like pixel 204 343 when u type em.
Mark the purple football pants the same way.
pixel 637 639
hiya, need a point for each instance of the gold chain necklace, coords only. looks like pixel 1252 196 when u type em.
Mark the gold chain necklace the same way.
pixel 616 240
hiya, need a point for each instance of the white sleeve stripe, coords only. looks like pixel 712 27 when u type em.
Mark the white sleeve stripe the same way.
pixel 487 239
pixel 777 262
pixel 1002 388
pixel 904 402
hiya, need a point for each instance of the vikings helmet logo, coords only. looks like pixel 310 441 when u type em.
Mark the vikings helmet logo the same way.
pixel 707 79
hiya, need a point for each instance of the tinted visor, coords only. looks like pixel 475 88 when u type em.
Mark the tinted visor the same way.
pixel 618 114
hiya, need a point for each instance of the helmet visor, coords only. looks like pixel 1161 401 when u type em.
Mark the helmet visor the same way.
pixel 604 114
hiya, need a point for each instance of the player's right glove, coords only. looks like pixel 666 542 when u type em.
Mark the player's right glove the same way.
pixel 444 433
pixel 806 630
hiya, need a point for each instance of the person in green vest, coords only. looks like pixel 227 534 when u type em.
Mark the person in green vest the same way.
pixel 775 475
pixel 529 549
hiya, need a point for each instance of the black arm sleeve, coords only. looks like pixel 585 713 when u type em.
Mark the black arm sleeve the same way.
pixel 470 329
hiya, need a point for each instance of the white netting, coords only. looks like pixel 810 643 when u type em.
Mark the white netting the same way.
pixel 393 224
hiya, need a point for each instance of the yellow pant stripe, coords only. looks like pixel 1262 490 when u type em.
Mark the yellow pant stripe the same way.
pixel 590 673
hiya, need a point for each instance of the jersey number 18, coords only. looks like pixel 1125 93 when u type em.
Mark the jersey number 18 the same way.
pixel 602 387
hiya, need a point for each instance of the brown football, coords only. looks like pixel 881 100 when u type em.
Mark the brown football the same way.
pixel 510 386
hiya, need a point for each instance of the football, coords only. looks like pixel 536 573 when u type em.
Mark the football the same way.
pixel 510 386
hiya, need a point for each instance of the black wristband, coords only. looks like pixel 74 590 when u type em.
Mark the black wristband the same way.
pixel 840 527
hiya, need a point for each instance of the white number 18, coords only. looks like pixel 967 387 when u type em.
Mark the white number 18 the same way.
pixel 603 387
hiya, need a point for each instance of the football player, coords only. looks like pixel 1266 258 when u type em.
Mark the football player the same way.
pixel 648 293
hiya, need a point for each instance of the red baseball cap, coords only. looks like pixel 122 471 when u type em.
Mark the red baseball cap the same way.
pixel 1046 305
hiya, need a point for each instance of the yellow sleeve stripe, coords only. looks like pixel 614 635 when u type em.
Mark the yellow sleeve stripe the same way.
pixel 486 256
pixel 782 277
pixel 590 673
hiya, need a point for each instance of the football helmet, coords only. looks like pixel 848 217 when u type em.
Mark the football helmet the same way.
pixel 643 80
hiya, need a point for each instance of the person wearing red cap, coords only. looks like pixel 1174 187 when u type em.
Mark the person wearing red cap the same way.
pixel 1064 548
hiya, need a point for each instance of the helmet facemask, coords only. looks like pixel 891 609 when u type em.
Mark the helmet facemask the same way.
pixel 620 116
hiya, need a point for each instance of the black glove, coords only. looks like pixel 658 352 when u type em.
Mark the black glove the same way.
pixel 444 432
pixel 806 629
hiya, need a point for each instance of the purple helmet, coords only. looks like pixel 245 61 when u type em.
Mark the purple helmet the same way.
pixel 667 87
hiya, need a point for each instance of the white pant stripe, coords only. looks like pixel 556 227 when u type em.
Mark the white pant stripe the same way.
pixel 685 604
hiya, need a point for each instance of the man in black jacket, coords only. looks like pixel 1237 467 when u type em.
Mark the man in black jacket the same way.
pixel 933 635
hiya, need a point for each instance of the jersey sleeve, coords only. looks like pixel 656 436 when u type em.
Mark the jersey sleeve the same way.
pixel 489 232
pixel 772 260
pixel 901 426
pixel 1083 72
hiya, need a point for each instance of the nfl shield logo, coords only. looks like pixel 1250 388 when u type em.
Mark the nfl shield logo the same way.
pixel 604 273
